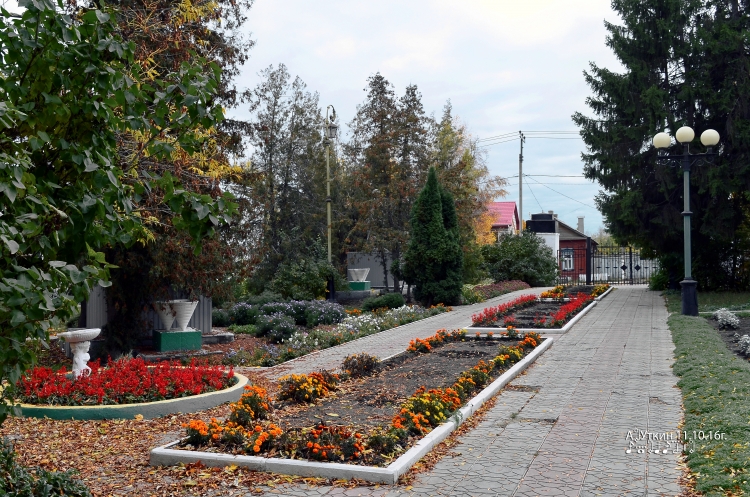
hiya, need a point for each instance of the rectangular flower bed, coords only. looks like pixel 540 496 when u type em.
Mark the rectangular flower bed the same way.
pixel 375 406
pixel 555 311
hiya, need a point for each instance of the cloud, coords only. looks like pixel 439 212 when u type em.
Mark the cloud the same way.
pixel 505 65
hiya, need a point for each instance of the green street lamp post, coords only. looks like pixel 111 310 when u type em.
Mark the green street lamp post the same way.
pixel 329 132
pixel 686 160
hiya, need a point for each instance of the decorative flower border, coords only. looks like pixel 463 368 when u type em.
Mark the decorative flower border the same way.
pixel 148 410
pixel 546 331
pixel 166 455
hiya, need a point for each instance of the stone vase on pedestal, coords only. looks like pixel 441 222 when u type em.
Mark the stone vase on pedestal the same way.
pixel 80 341
pixel 182 338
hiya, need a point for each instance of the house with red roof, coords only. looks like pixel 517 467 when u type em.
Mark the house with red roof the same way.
pixel 505 217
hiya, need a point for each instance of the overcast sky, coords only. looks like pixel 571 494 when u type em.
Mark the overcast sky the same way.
pixel 506 65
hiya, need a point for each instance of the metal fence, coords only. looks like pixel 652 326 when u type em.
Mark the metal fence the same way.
pixel 604 264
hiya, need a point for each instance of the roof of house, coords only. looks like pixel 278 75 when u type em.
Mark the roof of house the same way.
pixel 504 214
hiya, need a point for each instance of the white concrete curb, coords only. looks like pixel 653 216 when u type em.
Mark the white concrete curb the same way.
pixel 605 293
pixel 167 456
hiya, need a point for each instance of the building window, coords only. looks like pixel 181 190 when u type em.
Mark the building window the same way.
pixel 566 259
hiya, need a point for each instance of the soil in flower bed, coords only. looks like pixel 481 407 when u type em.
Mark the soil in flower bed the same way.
pixel 373 401
pixel 727 335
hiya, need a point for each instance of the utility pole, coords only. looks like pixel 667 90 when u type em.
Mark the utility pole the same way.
pixel 520 183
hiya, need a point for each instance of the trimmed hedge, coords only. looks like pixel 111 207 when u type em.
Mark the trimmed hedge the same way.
pixel 389 301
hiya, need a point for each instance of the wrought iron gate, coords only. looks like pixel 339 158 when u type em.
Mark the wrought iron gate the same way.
pixel 604 264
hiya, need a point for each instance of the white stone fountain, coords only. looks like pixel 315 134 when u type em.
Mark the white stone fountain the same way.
pixel 80 341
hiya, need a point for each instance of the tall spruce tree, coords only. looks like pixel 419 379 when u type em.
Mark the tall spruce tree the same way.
pixel 433 260
pixel 388 159
pixel 686 63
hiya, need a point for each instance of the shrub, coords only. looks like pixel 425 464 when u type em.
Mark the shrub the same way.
pixel 500 288
pixel 303 278
pixel 244 313
pixel 389 300
pixel 359 365
pixel 522 257
pixel 263 298
pixel 244 329
pixel 469 295
pixel 319 312
pixel 19 481
pixel 659 280
pixel 220 317
pixel 278 327
pixel 726 319
pixel 744 344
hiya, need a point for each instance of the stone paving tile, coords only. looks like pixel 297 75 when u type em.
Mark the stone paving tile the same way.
pixel 608 376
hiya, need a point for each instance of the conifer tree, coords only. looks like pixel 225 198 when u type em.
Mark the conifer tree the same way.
pixel 433 259
pixel 686 63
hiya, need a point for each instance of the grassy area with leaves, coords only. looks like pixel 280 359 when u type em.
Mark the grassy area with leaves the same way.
pixel 716 395
pixel 711 301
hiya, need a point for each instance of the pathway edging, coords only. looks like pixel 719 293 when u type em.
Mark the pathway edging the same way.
pixel 167 456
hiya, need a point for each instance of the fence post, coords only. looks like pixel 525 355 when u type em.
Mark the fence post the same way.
pixel 589 257
pixel 630 251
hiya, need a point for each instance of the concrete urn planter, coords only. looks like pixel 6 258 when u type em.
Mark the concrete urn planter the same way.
pixel 358 274
pixel 175 310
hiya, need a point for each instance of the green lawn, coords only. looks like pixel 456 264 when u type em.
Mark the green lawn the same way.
pixel 711 301
pixel 716 395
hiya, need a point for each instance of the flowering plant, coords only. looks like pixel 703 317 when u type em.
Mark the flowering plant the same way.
pixel 490 315
pixel 556 293
pixel 332 443
pixel 726 319
pixel 441 336
pixel 600 289
pixel 306 388
pixel 570 309
pixel 253 404
pixel 124 381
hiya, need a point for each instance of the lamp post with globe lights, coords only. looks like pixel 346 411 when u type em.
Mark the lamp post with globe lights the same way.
pixel 330 130
pixel 686 160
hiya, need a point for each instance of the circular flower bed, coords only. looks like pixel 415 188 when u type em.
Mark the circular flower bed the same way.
pixel 124 381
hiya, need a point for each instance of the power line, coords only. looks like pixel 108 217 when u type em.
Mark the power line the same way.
pixel 549 176
pixel 566 184
pixel 560 193
pixel 533 195
pixel 509 137
pixel 554 138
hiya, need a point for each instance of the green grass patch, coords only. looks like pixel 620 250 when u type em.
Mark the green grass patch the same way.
pixel 711 301
pixel 716 394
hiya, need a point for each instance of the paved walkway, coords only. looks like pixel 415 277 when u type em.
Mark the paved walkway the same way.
pixel 564 431
pixel 389 342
